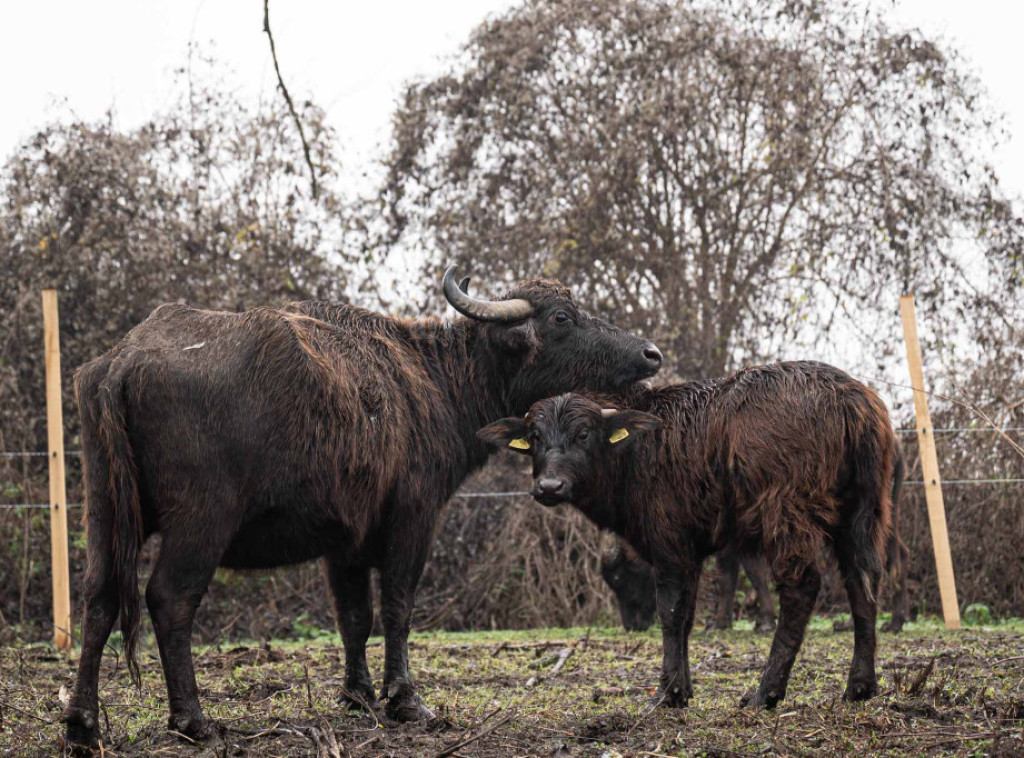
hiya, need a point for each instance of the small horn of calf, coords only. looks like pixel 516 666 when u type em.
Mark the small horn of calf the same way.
pixel 483 310
pixel 606 412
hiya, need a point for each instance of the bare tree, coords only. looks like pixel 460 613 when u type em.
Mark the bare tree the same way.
pixel 721 175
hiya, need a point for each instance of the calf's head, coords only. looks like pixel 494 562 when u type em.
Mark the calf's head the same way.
pixel 548 345
pixel 571 440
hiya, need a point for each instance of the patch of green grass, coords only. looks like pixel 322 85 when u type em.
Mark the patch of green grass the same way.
pixel 942 692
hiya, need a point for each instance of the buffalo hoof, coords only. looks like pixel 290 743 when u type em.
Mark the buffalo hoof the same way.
pixel 675 696
pixel 191 725
pixel 895 626
pixel 404 704
pixel 860 689
pixel 82 734
pixel 760 699
pixel 765 626
pixel 358 695
pixel 718 625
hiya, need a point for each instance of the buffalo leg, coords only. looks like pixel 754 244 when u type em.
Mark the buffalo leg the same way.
pixel 400 574
pixel 862 590
pixel 725 597
pixel 81 715
pixel 797 595
pixel 180 579
pixel 757 571
pixel 896 560
pixel 677 598
pixel 354 606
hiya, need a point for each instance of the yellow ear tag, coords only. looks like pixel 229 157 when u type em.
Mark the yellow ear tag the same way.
pixel 618 435
pixel 519 443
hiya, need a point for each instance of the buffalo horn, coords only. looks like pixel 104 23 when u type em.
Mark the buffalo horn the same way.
pixel 483 310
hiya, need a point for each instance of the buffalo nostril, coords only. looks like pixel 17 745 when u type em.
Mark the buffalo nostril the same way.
pixel 653 354
pixel 550 486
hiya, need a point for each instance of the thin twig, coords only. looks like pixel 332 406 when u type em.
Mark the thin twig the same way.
pixel 256 736
pixel 367 742
pixel 16 709
pixel 473 738
pixel 922 676
pixel 563 655
pixel 542 646
pixel 1007 660
pixel 602 692
pixel 366 706
pixel 437 617
pixel 288 99
pixel 973 407
pixel 648 711
pixel 966 404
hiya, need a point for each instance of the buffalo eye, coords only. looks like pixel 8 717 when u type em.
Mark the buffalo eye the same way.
pixel 561 317
pixel 582 436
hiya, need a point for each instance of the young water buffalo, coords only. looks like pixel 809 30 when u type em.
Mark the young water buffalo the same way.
pixel 782 459
pixel 632 579
pixel 258 439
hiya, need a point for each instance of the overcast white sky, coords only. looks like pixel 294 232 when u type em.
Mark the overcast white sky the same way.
pixel 350 57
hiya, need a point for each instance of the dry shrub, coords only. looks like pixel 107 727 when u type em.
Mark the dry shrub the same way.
pixel 509 563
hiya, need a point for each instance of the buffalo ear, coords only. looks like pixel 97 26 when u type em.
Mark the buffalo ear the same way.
pixel 508 432
pixel 622 427
pixel 518 338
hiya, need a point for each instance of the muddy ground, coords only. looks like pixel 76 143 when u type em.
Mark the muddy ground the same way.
pixel 494 693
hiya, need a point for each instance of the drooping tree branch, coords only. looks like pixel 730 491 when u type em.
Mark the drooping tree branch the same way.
pixel 288 99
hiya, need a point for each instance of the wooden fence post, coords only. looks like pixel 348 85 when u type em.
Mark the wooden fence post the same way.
pixel 62 630
pixel 930 469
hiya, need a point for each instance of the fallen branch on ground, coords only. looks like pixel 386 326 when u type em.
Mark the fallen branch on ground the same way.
pixel 601 692
pixel 541 646
pixel 563 655
pixel 452 749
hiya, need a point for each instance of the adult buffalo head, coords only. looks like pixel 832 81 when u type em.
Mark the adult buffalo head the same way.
pixel 556 346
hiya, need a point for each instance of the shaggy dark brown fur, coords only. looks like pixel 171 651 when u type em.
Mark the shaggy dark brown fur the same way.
pixel 275 436
pixel 783 459
pixel 632 579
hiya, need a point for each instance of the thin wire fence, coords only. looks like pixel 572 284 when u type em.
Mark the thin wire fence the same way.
pixel 13 506
pixel 973 481
pixel 966 429
pixel 471 495
pixel 40 454
pixel 902 430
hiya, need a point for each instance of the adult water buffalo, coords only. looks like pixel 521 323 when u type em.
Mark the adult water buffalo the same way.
pixel 785 459
pixel 279 435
